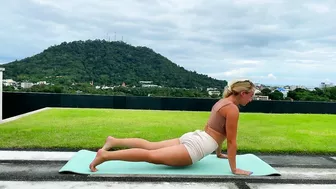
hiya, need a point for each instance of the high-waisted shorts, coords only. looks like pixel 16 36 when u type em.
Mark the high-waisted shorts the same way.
pixel 199 144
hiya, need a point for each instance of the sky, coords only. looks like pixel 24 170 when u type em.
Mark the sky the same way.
pixel 282 42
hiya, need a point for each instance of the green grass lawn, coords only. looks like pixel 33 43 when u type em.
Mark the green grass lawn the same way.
pixel 88 128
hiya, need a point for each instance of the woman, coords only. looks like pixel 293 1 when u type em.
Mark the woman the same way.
pixel 192 146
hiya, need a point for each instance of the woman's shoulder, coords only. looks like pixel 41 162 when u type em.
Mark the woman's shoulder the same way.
pixel 225 102
pixel 226 106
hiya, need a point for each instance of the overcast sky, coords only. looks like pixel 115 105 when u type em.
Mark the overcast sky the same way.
pixel 268 41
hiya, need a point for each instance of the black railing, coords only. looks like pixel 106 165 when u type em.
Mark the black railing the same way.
pixel 19 103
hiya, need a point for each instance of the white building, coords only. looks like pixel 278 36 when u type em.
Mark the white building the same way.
pixel 257 91
pixel 26 85
pixel 42 83
pixel 214 93
pixel 293 87
pixel 212 89
pixel 325 85
pixel 145 82
pixel 283 91
pixel 149 85
pixel 260 97
pixel 9 82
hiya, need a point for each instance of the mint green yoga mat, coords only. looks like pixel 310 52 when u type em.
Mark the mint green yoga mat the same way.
pixel 208 166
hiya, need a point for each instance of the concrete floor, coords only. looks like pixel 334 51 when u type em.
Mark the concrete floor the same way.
pixel 159 185
pixel 35 155
pixel 291 186
pixel 35 170
pixel 113 185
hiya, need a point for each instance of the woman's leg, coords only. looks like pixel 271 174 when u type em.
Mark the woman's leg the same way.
pixel 176 155
pixel 138 143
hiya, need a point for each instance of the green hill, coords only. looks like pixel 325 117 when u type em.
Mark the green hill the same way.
pixel 105 63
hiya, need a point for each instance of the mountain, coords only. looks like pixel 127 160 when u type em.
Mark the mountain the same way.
pixel 105 63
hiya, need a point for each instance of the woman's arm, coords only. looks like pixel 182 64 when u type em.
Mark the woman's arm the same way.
pixel 232 116
pixel 219 150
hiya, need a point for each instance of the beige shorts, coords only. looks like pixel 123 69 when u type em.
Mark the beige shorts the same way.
pixel 199 144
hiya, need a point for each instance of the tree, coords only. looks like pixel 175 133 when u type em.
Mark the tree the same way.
pixel 276 95
pixel 331 93
pixel 8 88
pixel 266 91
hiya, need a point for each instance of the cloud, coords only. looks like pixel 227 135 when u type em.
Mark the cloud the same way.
pixel 232 74
pixel 288 42
pixel 318 8
pixel 271 76
pixel 246 62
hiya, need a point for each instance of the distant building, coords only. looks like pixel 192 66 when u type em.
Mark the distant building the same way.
pixel 325 85
pixel 211 89
pixel 9 82
pixel 26 85
pixel 257 92
pixel 104 87
pixel 145 82
pixel 214 93
pixel 149 85
pixel 282 90
pixel 260 97
pixel 42 83
pixel 293 87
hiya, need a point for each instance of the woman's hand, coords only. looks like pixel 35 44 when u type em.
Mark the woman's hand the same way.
pixel 236 171
pixel 224 156
pixel 241 172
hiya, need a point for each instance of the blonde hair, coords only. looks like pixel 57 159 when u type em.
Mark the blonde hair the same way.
pixel 237 86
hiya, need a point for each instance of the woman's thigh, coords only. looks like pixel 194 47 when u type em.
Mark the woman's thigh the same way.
pixel 163 144
pixel 176 155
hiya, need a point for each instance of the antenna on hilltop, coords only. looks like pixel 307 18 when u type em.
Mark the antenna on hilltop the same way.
pixel 115 36
pixel 108 37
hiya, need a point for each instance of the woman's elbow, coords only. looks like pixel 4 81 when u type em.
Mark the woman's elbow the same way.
pixel 231 142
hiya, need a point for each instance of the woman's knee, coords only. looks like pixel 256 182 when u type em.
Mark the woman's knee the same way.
pixel 154 157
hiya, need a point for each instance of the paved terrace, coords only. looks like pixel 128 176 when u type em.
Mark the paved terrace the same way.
pixel 39 169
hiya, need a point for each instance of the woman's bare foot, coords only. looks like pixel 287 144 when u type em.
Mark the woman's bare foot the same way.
pixel 109 143
pixel 98 160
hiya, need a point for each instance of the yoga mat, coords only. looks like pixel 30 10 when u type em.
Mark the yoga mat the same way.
pixel 208 166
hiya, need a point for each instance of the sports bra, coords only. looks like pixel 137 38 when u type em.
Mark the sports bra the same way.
pixel 216 121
